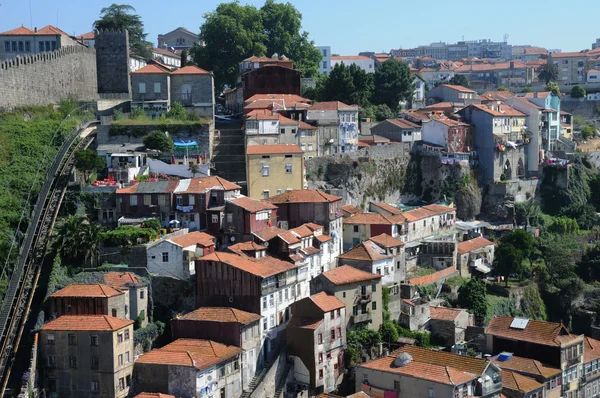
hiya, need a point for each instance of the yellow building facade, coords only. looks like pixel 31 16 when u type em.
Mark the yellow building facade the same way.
pixel 274 169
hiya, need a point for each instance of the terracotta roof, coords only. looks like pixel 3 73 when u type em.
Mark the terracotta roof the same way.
pixel 389 208
pixel 190 352
pixel 165 52
pixel 150 187
pixel 487 67
pixel 87 290
pixel 205 184
pixel 591 349
pixel 190 70
pixel 331 106
pixel 151 69
pixel 193 238
pixel 303 231
pixel 516 382
pixel 289 237
pixel 277 149
pixel 46 30
pixel 304 323
pixel 421 370
pixel 263 267
pixel 350 209
pixel 403 123
pixel 285 97
pixel 87 36
pixel 444 314
pixel 153 395
pixel 538 332
pixel 313 226
pixel 458 88
pixel 303 196
pixel 568 55
pixel 368 219
pixel 120 279
pixel 449 122
pixel 385 240
pixel 323 238
pixel 77 323
pixel 252 205
pixel 274 104
pixel 268 233
pixel 326 302
pixel 366 251
pixel 240 248
pixel 349 58
pixel 221 314
pixel 506 110
pixel 346 274
pixel 305 126
pixel 21 30
pixel 527 366
pixel 459 362
pixel 427 279
pixel 473 244
pixel 540 94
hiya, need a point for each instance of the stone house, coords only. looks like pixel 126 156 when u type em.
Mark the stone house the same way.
pixel 414 313
pixel 550 377
pixel 23 41
pixel 194 88
pixel 395 248
pixel 179 39
pixel 453 93
pixel 245 215
pixel 174 257
pixel 274 169
pixel 225 325
pixel 571 66
pixel 86 355
pixel 150 90
pixel 271 79
pixel 89 299
pixel 398 130
pixel 190 368
pixel 475 255
pixel 147 199
pixel 500 140
pixel 452 136
pixel 419 372
pixel 138 293
pixel 259 284
pixel 348 210
pixel 428 221
pixel 370 257
pixel 301 206
pixel 448 325
pixel 316 337
pixel 590 371
pixel 337 124
pixel 360 292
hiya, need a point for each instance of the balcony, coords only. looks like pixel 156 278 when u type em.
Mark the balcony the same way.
pixel 573 361
pixel 363 298
pixel 360 318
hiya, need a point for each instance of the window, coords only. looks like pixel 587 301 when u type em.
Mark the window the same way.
pixel 324 64
pixel 215 218
pixel 265 171
pixel 157 88
pixel 121 383
pixel 339 332
pixel 265 326
pixel 51 360
pixel 28 46
pixel 142 88
pixel 286 293
pixel 14 46
pixel 320 338
pixel 320 357
pixel 179 200
pixel 41 47
pixel 272 321
pixel 265 194
pixel 126 334
pixel 332 315
pixel 94 339
pixel 94 363
pixel 50 339
pixel 374 305
pixel 339 312
pixel 53 45
pixel 298 290
pixel 282 131
pixel 133 200
pixel 374 287
pixel 94 385
pixel 120 338
pixel 114 312
pixel 332 334
pixel 142 294
pixel 355 228
pixel 303 147
pixel 165 257
pixel 7 46
pixel 344 294
pixel 288 168
pixel 120 359
pixel 186 92
pixel 320 373
pixel 280 295
pixel 71 338
pixel 230 218
pixel 191 200
pixel 264 302
pixel 397 385
pixel 72 362
pixel 431 393
pixel 271 300
pixel 310 147
pixel 21 46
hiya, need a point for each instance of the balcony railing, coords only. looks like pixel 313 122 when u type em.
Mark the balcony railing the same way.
pixel 573 361
pixel 359 318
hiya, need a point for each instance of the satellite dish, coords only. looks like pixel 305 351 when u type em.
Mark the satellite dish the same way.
pixel 232 238
pixel 266 244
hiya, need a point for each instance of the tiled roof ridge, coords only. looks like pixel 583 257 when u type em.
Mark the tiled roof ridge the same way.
pixel 447 369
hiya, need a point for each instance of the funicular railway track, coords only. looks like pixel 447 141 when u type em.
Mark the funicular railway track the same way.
pixel 19 294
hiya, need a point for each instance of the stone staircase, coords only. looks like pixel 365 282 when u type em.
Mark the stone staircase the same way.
pixel 229 152
pixel 281 381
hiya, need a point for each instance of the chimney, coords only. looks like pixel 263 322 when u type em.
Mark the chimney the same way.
pixel 512 64
pixel 35 29
pixel 535 94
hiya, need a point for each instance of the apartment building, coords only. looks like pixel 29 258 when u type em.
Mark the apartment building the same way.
pixel 89 299
pixel 138 293
pixel 338 126
pixel 23 41
pixel 571 66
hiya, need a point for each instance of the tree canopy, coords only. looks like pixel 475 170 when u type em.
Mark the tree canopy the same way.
pixel 459 80
pixel 121 16
pixel 348 84
pixel 393 83
pixel 158 140
pixel 577 91
pixel 508 260
pixel 472 295
pixel 553 87
pixel 548 72
pixel 87 160
pixel 234 32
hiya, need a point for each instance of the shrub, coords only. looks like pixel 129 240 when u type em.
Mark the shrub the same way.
pixel 128 235
pixel 587 132
pixel 158 140
pixel 177 111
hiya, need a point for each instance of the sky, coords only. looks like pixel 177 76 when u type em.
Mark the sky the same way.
pixel 352 26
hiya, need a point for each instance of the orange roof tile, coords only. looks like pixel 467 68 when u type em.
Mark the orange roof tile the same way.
pixel 303 231
pixel 427 279
pixel 568 55
pixel 346 274
pixel 221 314
pixel 349 58
pixel 153 395
pixel 313 226
pixel 458 88
pixel 252 205
pixel 151 69
pixel 87 290
pixel 350 209
pixel 277 149
pixel 263 267
pixel 527 366
pixel 194 238
pixel 205 184
pixel 473 244
pixel 190 352
pixel 289 237
pixel 80 323
pixel 385 240
pixel 190 70
pixel 389 208
pixel 366 251
pixel 304 323
pixel 421 370
pixel 506 110
pixel 268 233
pixel 591 349
pixel 368 219
pixel 516 382
pixel 21 30
pixel 331 106
pixel 87 36
pixel 120 279
pixel 323 238
pixel 303 196
pixel 403 123
pixel 326 302
pixel 285 97
pixel 459 362
pixel 242 247
pixel 46 30
pixel 538 332
pixel 444 314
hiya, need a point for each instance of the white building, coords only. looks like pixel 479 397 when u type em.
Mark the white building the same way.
pixel 365 63
pixel 593 76
pixel 167 57
pixel 325 64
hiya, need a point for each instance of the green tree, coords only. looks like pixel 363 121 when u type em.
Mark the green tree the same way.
pixel 508 260
pixel 393 83
pixel 553 87
pixel 532 305
pixel 584 213
pixel 577 91
pixel 184 58
pixel 528 213
pixel 587 132
pixel 459 80
pixel 588 267
pixel 502 88
pixel 87 160
pixel 527 90
pixel 77 241
pixel 119 17
pixel 158 140
pixel 388 332
pixel 377 113
pixel 348 84
pixel 472 295
pixel 177 112
pixel 522 241
pixel 563 226
pixel 194 169
pixel 548 72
